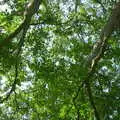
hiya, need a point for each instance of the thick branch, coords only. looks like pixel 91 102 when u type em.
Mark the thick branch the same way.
pixel 31 9
pixel 98 51
pixel 24 26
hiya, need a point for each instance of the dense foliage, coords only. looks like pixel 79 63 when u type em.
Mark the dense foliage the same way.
pixel 51 71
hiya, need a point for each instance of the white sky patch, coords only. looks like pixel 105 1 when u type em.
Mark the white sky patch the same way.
pixel 4 7
pixel 29 71
pixel 25 117
pixel 25 85
pixel 106 90
pixel 67 7
pixel 2 82
pixel 9 110
pixel 57 63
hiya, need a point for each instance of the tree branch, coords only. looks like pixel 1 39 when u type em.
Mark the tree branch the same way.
pixel 98 52
pixel 24 26
pixel 13 85
pixel 31 9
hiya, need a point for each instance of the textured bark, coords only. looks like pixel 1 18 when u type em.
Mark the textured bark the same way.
pixel 98 50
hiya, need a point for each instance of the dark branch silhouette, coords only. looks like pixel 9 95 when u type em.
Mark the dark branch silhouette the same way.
pixel 31 9
pixel 29 12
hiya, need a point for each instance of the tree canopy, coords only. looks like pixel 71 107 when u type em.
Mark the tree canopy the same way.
pixel 59 60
